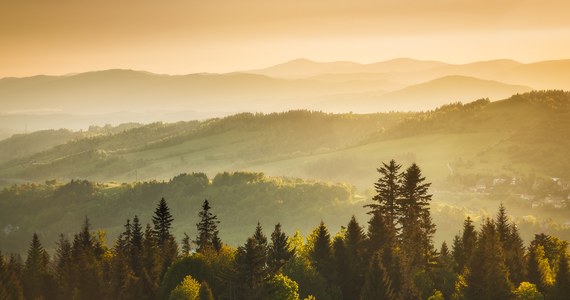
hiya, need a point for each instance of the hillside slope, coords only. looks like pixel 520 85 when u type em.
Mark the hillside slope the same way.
pixel 524 134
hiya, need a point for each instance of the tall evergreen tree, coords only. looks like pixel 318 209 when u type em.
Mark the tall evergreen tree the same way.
pixel 186 248
pixel 87 254
pixel 341 262
pixel 207 228
pixel 444 275
pixel 469 242
pixel 417 229
pixel 458 254
pixel 279 251
pixel 64 268
pixel 355 241
pixel 252 264
pixel 151 264
pixel 387 191
pixel 162 220
pixel 503 226
pixel 515 252
pixel 36 276
pixel 488 276
pixel 10 283
pixel 377 283
pixel 321 252
pixel 380 234
pixel 136 246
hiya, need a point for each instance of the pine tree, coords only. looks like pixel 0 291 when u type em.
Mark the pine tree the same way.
pixel 458 254
pixel 86 254
pixel 488 276
pixel 341 263
pixel 162 221
pixel 207 228
pixel 417 228
pixel 64 268
pixel 377 283
pixel 252 264
pixel 444 275
pixel 35 277
pixel 136 246
pixel 151 264
pixel 502 223
pixel 387 192
pixel 10 285
pixel 469 242
pixel 186 248
pixel 279 251
pixel 321 252
pixel 355 241
pixel 515 259
pixel 380 234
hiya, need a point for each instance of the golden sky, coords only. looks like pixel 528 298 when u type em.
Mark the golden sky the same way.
pixel 186 36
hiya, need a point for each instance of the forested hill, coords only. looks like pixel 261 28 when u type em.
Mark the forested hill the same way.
pixel 524 134
pixel 241 199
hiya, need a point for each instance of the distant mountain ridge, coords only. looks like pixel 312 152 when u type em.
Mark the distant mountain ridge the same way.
pixel 299 84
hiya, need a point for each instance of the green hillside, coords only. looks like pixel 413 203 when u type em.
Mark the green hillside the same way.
pixel 524 135
pixel 239 199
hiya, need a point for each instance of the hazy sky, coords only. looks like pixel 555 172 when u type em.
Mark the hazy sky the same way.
pixel 185 36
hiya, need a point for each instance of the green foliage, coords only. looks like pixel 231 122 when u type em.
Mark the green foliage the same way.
pixel 281 287
pixel 488 274
pixel 195 266
pixel 188 289
pixel 377 283
pixel 207 229
pixel 527 291
pixel 279 251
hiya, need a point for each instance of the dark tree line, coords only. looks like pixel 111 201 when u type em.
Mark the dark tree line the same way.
pixel 392 257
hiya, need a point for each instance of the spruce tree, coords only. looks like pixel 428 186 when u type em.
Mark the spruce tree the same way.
pixel 377 283
pixel 458 254
pixel 488 276
pixel 380 234
pixel 64 268
pixel 87 255
pixel 35 277
pixel 162 220
pixel 469 242
pixel 515 252
pixel 417 229
pixel 252 265
pixel 186 248
pixel 342 268
pixel 136 246
pixel 387 191
pixel 355 241
pixel 207 228
pixel 321 252
pixel 279 251
pixel 151 264
pixel 503 227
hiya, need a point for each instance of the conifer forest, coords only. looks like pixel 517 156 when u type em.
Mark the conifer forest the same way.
pixel 390 255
